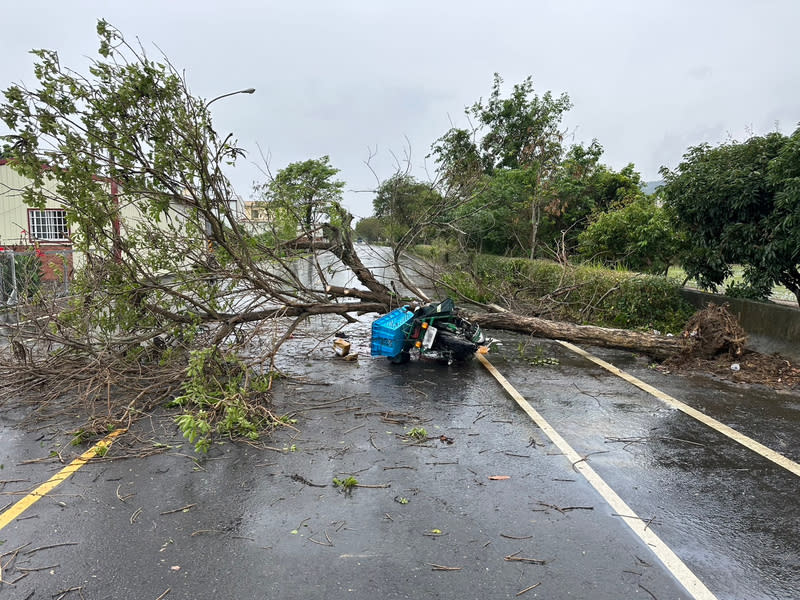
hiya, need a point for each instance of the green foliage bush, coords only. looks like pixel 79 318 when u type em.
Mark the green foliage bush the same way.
pixel 636 235
pixel 221 395
pixel 585 294
pixel 741 289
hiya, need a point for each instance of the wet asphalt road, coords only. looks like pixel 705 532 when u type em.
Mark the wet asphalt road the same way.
pixel 256 522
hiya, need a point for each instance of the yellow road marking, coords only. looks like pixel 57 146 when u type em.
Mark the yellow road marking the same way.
pixel 25 503
pixel 761 449
pixel 639 526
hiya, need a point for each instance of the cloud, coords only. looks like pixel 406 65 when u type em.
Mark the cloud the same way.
pixel 346 78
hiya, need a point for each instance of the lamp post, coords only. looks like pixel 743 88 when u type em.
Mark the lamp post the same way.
pixel 207 104
pixel 245 91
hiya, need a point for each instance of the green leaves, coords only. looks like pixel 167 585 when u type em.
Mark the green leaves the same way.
pixel 402 202
pixel 738 203
pixel 221 396
pixel 522 130
pixel 307 190
pixel 637 236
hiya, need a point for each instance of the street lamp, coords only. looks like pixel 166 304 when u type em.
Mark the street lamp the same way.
pixel 246 91
pixel 207 104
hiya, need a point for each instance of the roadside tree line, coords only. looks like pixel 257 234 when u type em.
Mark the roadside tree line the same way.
pixel 524 192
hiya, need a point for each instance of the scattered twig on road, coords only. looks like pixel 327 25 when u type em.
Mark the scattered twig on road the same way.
pixel 515 537
pixel 674 439
pixel 583 459
pixel 596 399
pixel 304 481
pixel 647 522
pixel 200 531
pixel 162 596
pixel 400 467
pixel 325 404
pixel 43 459
pixel 528 589
pixel 648 591
pixel 563 509
pixel 31 569
pixel 354 428
pixel 61 593
pixel 372 441
pixel 135 515
pixel 515 558
pixel 626 441
pixel 13 554
pixel 29 552
pixel 176 510
pixel 123 498
pixel 328 543
pixel 643 439
pixel 436 567
pixel 373 486
pixel 14 582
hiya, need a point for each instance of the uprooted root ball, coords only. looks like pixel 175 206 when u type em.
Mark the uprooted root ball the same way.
pixel 714 331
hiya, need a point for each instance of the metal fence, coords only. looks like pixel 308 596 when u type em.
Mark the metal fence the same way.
pixel 25 274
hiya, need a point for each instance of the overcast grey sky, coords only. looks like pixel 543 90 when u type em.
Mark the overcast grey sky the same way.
pixel 348 78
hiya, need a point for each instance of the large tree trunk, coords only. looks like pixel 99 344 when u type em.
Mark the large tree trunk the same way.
pixel 657 346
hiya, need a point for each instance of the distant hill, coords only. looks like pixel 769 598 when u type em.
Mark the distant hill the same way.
pixel 651 186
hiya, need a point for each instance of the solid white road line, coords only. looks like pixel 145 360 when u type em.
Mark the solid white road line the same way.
pixel 761 449
pixel 668 558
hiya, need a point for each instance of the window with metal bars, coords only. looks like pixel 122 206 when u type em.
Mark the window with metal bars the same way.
pixel 48 225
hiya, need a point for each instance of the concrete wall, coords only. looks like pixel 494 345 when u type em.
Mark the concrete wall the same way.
pixel 770 327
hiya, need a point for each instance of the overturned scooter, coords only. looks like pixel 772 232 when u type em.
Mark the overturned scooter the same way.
pixel 434 330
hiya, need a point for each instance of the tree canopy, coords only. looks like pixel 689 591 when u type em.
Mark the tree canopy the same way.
pixel 307 189
pixel 401 200
pixel 519 132
pixel 738 204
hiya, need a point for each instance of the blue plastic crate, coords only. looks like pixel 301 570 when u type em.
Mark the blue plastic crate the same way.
pixel 389 332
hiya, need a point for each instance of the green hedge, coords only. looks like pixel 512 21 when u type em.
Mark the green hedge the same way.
pixel 585 294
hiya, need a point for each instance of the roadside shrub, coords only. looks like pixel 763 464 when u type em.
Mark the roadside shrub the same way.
pixel 646 302
pixel 585 293
pixel 467 285
pixel 736 289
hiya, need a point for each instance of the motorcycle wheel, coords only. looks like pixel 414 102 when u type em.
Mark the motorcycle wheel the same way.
pixel 400 359
pixel 456 347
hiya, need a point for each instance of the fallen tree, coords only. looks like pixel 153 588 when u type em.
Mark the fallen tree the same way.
pixel 176 287
pixel 657 346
